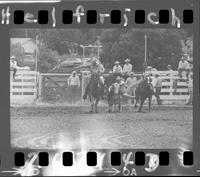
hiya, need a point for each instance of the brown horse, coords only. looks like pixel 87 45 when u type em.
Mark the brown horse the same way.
pixel 95 91
pixel 142 92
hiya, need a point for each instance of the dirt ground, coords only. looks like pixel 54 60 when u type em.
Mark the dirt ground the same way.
pixel 73 128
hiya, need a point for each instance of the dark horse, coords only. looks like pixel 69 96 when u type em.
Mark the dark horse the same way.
pixel 142 92
pixel 95 91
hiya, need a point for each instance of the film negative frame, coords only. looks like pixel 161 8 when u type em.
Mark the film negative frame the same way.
pixel 7 153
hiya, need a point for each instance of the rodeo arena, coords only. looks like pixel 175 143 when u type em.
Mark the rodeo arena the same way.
pixel 110 108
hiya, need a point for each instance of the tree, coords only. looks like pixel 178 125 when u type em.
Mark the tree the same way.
pixel 163 47
pixel 47 58
pixel 18 51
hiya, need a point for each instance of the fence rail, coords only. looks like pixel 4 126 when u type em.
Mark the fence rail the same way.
pixel 53 86
pixel 23 88
pixel 26 88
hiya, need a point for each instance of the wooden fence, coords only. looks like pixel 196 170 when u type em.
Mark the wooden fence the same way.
pixel 23 88
pixel 174 88
pixel 53 86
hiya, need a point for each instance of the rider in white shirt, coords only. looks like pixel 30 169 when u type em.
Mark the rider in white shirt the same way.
pixel 96 68
pixel 127 69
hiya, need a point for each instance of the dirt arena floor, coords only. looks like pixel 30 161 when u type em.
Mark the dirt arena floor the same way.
pixel 73 128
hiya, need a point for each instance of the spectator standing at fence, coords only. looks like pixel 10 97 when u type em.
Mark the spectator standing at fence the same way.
pixel 169 68
pixel 150 68
pixel 130 81
pixel 74 84
pixel 183 66
pixel 190 89
pixel 127 68
pixel 157 84
pixel 117 69
pixel 13 66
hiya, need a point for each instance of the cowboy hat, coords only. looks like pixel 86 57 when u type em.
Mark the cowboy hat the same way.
pixel 12 57
pixel 127 60
pixel 117 62
pixel 149 67
pixel 122 82
pixel 183 58
pixel 132 73
pixel 73 72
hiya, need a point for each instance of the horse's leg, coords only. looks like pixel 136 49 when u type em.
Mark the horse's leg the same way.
pixel 150 98
pixel 136 101
pixel 119 104
pixel 92 104
pixel 115 107
pixel 141 104
pixel 96 103
pixel 110 108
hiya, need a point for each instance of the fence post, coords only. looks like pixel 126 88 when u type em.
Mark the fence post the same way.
pixel 40 86
pixel 22 81
pixel 171 84
pixel 11 86
pixel 82 85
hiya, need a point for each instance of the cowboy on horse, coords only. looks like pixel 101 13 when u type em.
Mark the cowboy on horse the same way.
pixel 96 69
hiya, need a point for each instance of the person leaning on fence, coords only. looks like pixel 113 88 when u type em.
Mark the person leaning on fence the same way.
pixel 157 84
pixel 127 68
pixel 190 89
pixel 183 66
pixel 117 69
pixel 13 66
pixel 74 84
pixel 129 81
pixel 169 68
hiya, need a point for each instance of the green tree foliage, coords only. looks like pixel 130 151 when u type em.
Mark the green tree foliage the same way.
pixel 163 47
pixel 18 51
pixel 47 58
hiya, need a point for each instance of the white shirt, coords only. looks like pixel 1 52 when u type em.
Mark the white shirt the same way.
pixel 190 83
pixel 72 81
pixel 117 69
pixel 183 65
pixel 13 64
pixel 130 81
pixel 157 82
pixel 127 68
